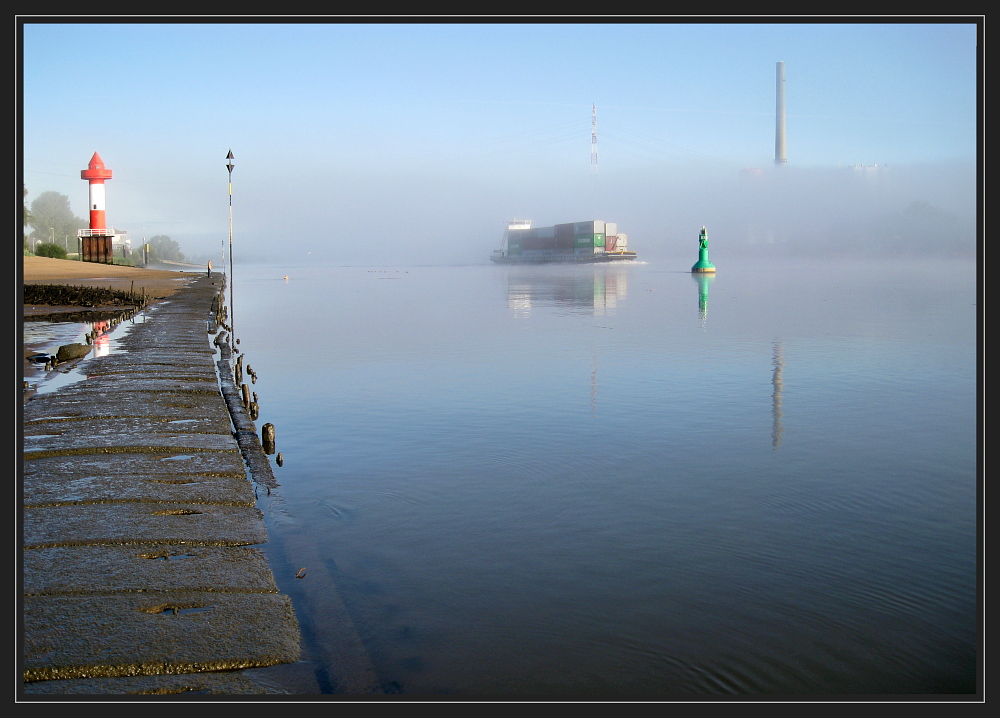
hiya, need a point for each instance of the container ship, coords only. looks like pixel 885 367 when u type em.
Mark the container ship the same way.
pixel 591 241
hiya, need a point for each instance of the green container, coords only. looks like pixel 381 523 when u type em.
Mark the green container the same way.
pixel 582 241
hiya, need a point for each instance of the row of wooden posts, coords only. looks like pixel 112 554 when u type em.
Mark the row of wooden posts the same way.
pixel 82 296
pixel 248 397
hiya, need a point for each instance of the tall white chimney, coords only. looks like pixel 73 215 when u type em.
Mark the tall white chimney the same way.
pixel 779 121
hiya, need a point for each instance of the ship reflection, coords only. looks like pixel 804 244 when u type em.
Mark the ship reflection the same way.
pixel 591 289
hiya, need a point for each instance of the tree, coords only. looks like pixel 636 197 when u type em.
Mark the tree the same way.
pixel 27 216
pixel 51 218
pixel 50 250
pixel 162 248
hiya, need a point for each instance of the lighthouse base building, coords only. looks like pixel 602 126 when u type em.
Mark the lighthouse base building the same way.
pixel 96 248
pixel 102 247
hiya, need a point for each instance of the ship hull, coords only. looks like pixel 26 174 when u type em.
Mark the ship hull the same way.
pixel 568 259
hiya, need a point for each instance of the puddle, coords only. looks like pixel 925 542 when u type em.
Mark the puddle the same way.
pixel 45 338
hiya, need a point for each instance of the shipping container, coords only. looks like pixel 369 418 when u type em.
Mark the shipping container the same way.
pixel 593 240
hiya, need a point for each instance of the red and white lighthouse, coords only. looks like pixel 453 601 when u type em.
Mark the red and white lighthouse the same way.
pixel 96 173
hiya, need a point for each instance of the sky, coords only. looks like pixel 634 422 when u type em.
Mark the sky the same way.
pixel 396 142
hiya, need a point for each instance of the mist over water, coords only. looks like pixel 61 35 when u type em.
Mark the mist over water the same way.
pixel 385 217
pixel 628 480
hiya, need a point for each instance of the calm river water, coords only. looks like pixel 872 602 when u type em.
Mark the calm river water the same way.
pixel 626 481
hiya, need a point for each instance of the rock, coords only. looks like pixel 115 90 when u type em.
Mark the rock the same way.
pixel 72 351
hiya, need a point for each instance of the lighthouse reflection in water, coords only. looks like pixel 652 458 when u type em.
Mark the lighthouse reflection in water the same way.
pixel 704 281
pixel 565 481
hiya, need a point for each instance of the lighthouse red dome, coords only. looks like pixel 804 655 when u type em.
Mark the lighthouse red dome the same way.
pixel 95 170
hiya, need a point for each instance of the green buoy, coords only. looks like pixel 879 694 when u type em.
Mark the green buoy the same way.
pixel 703 265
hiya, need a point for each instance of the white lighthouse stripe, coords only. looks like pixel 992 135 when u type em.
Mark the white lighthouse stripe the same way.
pixel 97 195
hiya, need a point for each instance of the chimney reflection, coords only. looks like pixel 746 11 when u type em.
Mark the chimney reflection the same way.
pixel 777 383
pixel 593 387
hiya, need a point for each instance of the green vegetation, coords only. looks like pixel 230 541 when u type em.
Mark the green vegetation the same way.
pixel 162 248
pixel 27 217
pixel 52 220
pixel 50 250
pixel 54 233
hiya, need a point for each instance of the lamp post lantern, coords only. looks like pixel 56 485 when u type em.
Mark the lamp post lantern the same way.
pixel 229 166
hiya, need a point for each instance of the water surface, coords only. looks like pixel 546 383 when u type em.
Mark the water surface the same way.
pixel 628 480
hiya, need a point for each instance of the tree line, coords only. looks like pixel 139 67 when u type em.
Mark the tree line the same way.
pixel 54 227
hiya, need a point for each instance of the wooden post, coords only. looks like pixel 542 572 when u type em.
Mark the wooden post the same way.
pixel 267 438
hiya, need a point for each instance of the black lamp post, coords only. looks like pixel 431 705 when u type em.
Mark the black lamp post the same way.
pixel 229 166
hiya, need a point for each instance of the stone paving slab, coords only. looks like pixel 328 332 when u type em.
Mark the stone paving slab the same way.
pixel 138 569
pixel 139 360
pixel 246 682
pixel 156 633
pixel 159 389
pixel 117 391
pixel 151 363
pixel 102 377
pixel 135 378
pixel 129 523
pixel 173 336
pixel 165 407
pixel 169 461
pixel 166 344
pixel 88 487
pixel 108 438
pixel 125 425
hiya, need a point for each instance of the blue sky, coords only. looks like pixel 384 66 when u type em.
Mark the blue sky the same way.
pixel 399 135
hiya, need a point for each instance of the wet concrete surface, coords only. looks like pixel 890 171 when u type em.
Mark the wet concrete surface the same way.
pixel 142 566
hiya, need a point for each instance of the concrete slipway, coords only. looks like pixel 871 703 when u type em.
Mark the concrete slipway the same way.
pixel 142 567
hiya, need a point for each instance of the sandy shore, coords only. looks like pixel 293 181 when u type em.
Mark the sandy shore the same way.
pixel 156 282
